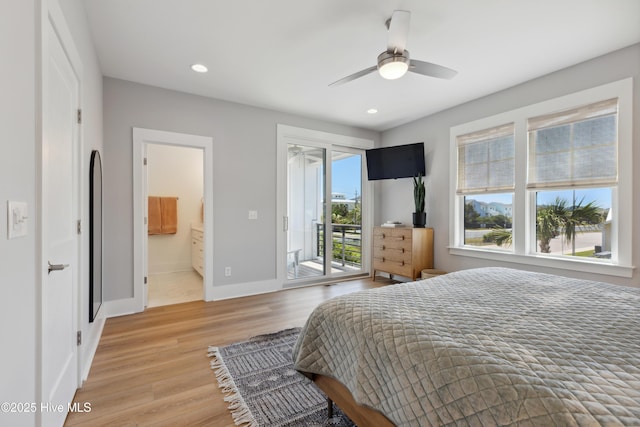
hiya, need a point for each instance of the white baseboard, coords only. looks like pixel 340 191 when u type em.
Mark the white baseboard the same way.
pixel 237 290
pixel 91 346
pixel 126 306
pixel 121 307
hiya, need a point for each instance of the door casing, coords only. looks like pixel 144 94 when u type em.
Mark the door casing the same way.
pixel 142 137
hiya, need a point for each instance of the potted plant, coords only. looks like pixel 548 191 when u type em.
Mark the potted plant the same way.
pixel 419 216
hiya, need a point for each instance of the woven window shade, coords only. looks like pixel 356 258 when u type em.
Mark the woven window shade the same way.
pixel 574 148
pixel 486 161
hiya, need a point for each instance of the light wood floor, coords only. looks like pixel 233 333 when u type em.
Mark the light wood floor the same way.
pixel 152 368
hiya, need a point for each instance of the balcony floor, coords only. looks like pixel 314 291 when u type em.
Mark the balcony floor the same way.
pixel 313 268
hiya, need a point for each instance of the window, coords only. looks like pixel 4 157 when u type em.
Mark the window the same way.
pixel 574 222
pixel 486 180
pixel 575 150
pixel 548 184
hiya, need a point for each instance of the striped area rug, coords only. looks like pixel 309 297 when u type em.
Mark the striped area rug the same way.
pixel 262 388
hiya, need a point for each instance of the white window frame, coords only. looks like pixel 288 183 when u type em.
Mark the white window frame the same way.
pixel 524 201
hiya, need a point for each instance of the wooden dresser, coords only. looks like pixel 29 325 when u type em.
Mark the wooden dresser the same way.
pixel 403 251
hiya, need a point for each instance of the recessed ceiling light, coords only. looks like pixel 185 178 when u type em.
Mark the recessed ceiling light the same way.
pixel 372 111
pixel 199 68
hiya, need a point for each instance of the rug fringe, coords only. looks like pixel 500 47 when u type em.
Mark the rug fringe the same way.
pixel 239 410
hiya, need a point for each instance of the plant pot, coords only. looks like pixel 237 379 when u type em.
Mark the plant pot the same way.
pixel 419 219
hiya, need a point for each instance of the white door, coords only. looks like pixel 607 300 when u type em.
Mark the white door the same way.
pixel 59 231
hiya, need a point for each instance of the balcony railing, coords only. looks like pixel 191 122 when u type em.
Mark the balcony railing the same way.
pixel 347 243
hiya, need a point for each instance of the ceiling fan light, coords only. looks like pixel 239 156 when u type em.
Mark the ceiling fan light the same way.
pixel 393 70
pixel 393 66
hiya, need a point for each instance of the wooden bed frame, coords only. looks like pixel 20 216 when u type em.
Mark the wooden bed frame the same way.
pixel 361 415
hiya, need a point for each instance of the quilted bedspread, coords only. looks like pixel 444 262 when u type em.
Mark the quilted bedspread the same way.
pixel 486 347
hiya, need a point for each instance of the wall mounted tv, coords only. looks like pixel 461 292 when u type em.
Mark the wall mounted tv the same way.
pixel 400 161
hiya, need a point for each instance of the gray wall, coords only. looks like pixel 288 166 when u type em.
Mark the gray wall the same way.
pixel 395 197
pixel 244 140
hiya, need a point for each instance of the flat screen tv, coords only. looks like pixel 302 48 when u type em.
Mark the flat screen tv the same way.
pixel 400 161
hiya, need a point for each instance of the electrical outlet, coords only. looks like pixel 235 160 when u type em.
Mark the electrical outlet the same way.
pixel 253 214
pixel 227 271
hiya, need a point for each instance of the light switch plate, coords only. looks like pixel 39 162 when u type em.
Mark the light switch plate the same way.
pixel 16 219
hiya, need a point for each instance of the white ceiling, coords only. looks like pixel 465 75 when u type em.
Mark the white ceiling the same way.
pixel 282 54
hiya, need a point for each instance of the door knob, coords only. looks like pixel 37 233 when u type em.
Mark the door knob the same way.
pixel 56 267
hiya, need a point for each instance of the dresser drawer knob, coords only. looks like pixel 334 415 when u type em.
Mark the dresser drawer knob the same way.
pixel 384 247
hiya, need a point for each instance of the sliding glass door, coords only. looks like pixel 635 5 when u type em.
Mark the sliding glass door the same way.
pixel 306 173
pixel 326 208
pixel 345 227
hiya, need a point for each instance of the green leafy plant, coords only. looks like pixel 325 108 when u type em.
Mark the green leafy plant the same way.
pixel 418 193
pixel 499 236
pixel 554 219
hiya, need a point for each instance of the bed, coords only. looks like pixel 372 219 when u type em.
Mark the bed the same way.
pixel 489 346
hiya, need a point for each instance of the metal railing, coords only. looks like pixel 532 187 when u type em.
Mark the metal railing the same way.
pixel 347 243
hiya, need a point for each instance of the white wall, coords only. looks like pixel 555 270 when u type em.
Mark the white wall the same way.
pixel 394 198
pixel 18 315
pixel 174 171
pixel 244 176
pixel 20 318
pixel 19 168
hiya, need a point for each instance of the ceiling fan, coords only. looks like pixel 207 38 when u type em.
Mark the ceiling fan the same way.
pixel 394 62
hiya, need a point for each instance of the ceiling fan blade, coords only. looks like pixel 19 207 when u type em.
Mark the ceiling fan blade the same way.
pixel 398 31
pixel 355 76
pixel 431 70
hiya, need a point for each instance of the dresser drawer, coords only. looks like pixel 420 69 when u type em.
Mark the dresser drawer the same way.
pixel 197 247
pixel 392 234
pixel 396 251
pixel 399 267
pixel 197 235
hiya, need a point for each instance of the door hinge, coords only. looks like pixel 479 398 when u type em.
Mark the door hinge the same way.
pixel 144 161
pixel 79 116
pixel 79 226
pixel 145 280
pixel 79 338
pixel 145 220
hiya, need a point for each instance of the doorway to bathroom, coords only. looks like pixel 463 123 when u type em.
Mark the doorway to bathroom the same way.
pixel 176 185
pixel 174 224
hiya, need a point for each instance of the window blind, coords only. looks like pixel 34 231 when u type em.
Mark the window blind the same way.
pixel 574 148
pixel 486 161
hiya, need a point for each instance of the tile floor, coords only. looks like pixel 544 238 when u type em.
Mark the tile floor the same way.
pixel 174 288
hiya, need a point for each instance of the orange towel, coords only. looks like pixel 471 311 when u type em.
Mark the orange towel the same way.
pixel 169 209
pixel 154 221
